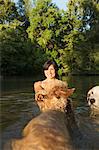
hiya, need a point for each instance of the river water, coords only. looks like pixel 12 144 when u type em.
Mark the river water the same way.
pixel 18 106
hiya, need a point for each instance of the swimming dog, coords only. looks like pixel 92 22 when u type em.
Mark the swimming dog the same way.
pixel 48 131
pixel 93 99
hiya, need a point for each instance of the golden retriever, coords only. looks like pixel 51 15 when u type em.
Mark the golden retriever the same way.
pixel 47 131
pixel 56 99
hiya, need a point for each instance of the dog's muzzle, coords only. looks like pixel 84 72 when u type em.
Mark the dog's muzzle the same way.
pixel 91 101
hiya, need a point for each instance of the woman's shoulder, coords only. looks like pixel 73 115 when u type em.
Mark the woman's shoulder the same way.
pixel 37 86
pixel 41 83
pixel 37 83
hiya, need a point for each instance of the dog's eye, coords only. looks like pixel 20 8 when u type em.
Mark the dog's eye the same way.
pixel 91 92
pixel 58 97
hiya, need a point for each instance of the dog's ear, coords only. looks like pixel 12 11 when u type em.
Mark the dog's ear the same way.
pixel 69 92
pixel 64 93
pixel 41 97
pixel 41 101
pixel 60 91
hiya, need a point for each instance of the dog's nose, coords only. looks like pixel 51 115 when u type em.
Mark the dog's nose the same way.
pixel 92 100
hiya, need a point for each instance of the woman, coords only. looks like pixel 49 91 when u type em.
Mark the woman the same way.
pixel 50 70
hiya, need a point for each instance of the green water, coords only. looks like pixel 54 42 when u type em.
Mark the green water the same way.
pixel 18 106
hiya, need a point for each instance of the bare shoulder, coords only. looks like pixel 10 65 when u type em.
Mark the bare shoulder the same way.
pixel 37 86
pixel 37 83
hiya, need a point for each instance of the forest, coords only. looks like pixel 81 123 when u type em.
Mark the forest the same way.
pixel 32 31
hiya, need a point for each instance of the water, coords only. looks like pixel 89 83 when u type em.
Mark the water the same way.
pixel 18 106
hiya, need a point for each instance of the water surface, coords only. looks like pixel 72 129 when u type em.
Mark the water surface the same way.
pixel 18 106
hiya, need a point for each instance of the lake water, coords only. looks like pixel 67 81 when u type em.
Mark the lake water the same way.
pixel 18 106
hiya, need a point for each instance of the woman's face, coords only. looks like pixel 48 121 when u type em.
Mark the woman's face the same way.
pixel 50 73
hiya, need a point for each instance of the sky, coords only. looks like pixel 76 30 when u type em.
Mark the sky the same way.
pixel 60 3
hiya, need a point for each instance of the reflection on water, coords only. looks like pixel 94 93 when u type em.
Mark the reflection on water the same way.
pixel 18 106
pixel 16 111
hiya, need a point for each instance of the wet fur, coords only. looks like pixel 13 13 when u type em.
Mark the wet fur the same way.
pixel 55 128
pixel 56 99
pixel 48 131
pixel 93 100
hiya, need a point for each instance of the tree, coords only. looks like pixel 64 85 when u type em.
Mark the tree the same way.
pixel 83 17
pixel 69 37
pixel 8 11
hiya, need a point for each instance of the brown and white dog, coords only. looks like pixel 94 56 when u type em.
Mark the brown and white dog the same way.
pixel 48 131
pixel 93 99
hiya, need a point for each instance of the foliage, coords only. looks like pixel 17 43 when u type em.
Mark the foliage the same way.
pixel 33 31
pixel 84 18
pixel 8 11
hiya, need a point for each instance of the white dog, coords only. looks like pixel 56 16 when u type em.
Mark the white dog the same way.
pixel 93 98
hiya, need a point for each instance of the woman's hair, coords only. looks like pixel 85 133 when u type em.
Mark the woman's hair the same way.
pixel 50 62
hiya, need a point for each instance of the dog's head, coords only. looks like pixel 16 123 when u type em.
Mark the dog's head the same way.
pixel 93 97
pixel 56 99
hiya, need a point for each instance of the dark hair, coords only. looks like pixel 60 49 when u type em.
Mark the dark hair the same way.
pixel 50 62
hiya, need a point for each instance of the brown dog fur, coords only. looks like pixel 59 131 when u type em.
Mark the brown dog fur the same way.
pixel 47 131
pixel 56 99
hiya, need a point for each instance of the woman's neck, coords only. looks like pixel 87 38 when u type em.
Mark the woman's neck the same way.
pixel 50 79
